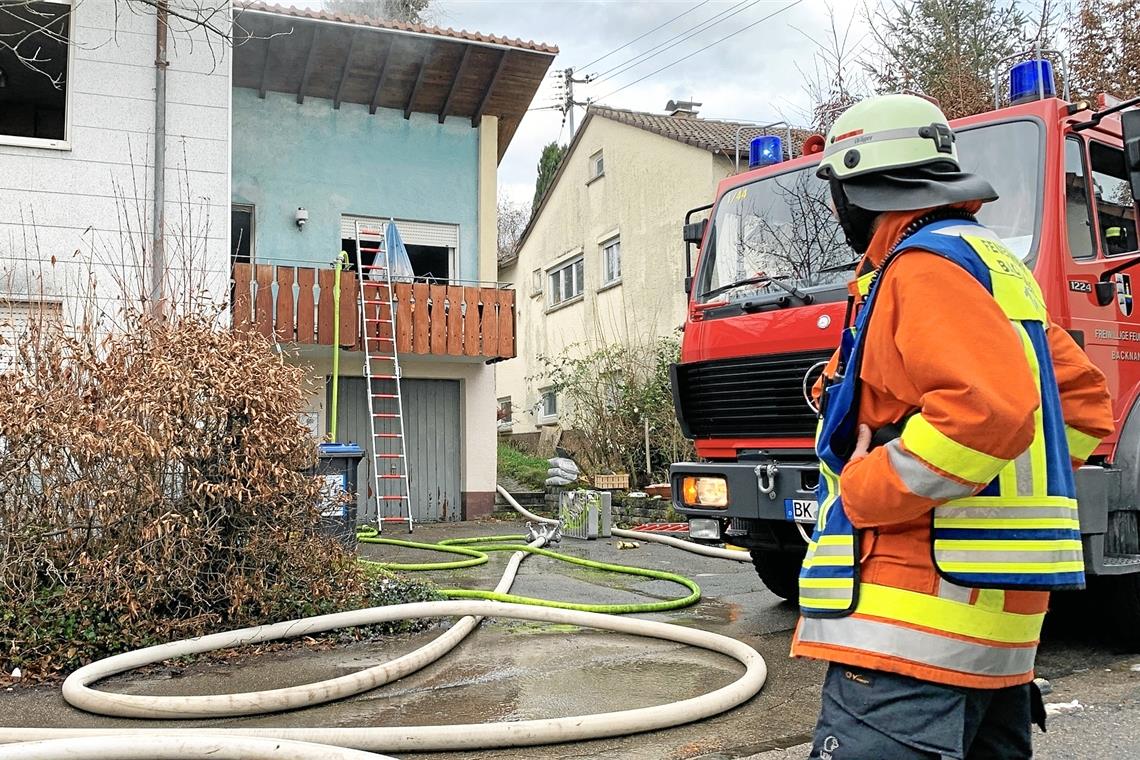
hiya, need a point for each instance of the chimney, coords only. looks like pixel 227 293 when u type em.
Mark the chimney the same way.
pixel 682 109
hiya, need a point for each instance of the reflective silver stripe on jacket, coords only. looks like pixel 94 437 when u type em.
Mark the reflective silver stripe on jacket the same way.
pixel 918 646
pixel 920 479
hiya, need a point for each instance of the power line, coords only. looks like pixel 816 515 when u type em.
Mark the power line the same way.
pixel 680 37
pixel 706 47
pixel 643 36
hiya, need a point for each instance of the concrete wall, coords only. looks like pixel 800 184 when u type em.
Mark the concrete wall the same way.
pixel 477 410
pixel 648 185
pixel 346 161
pixel 89 205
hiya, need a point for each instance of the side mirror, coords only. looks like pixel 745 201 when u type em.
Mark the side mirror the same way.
pixel 694 232
pixel 1105 292
pixel 1130 126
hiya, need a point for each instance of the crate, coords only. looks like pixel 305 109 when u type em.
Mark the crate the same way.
pixel 585 514
pixel 612 482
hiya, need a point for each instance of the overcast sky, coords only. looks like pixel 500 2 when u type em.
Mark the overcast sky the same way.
pixel 751 76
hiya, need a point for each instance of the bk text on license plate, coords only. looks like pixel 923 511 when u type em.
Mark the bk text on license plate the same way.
pixel 801 510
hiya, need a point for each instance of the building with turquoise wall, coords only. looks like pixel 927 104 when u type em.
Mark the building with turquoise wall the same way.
pixel 359 121
pixel 334 162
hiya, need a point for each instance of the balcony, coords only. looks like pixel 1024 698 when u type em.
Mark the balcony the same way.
pixel 295 305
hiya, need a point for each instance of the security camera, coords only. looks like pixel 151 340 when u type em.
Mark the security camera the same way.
pixel 302 218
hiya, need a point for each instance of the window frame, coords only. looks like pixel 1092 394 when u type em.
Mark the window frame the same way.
pixel 543 394
pixel 1090 185
pixel 596 158
pixel 47 143
pixel 504 403
pixel 554 297
pixel 252 209
pixel 606 246
pixel 1094 243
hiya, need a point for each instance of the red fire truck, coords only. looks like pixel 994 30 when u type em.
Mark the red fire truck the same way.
pixel 768 297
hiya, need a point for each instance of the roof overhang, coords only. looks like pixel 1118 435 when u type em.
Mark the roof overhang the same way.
pixel 385 64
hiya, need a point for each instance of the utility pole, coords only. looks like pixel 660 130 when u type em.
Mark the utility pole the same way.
pixel 568 102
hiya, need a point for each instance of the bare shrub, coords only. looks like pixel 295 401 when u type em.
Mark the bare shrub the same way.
pixel 152 487
pixel 611 394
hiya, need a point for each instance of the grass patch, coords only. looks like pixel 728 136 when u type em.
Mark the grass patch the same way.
pixel 523 468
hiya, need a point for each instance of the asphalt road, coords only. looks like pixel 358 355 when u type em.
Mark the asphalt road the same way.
pixel 509 670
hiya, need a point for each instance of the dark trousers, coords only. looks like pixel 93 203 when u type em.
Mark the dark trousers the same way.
pixel 872 715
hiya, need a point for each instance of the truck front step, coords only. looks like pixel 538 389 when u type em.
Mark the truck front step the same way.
pixel 1120 564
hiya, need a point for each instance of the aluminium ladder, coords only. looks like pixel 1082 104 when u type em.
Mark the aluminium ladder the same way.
pixel 389 463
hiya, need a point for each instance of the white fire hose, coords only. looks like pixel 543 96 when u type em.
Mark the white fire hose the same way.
pixel 689 546
pixel 347 743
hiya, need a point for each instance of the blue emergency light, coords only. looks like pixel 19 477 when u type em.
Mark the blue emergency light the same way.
pixel 765 150
pixel 1031 80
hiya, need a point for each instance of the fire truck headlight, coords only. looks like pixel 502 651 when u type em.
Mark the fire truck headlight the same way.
pixel 705 491
pixel 704 528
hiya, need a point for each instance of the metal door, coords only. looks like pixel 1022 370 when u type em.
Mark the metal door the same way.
pixel 433 436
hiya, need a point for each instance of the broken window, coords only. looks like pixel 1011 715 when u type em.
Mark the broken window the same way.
pixel 33 72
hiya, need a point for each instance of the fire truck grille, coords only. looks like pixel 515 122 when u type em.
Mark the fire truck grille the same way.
pixel 754 397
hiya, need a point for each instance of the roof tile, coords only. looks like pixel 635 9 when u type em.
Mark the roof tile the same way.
pixel 710 134
pixel 401 26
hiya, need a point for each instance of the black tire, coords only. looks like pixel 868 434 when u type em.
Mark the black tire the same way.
pixel 779 571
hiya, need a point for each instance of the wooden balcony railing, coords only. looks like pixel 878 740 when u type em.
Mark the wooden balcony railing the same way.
pixel 295 305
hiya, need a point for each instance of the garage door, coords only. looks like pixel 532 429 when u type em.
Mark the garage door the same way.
pixel 433 436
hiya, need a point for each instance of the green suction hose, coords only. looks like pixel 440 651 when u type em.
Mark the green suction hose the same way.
pixel 479 556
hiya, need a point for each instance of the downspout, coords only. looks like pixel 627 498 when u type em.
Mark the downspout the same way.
pixel 158 222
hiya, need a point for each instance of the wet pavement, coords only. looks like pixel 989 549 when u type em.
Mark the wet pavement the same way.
pixel 517 670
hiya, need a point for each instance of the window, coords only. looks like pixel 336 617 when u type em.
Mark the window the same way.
pixel 504 414
pixel 18 319
pixel 1078 221
pixel 536 282
pixel 33 73
pixel 1115 208
pixel 548 405
pixel 566 281
pixel 431 247
pixel 782 225
pixel 241 233
pixel 611 262
pixel 597 166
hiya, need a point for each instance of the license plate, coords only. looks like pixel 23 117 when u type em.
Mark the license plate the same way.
pixel 801 510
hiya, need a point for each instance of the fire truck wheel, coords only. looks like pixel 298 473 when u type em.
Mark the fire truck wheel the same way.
pixel 779 571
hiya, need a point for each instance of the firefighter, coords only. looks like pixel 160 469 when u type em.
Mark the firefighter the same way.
pixel 951 418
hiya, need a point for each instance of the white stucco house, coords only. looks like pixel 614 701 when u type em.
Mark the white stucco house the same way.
pixel 602 259
pixel 81 100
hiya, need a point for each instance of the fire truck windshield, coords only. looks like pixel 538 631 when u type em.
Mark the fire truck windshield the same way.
pixel 783 227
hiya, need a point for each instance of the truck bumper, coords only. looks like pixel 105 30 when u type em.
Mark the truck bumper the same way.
pixel 760 493
pixel 760 489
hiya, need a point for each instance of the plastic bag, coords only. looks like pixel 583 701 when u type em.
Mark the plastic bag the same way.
pixel 555 481
pixel 561 463
pixel 558 472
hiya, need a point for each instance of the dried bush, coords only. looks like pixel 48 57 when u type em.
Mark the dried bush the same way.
pixel 152 487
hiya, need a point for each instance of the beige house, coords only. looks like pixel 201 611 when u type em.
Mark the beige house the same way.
pixel 602 259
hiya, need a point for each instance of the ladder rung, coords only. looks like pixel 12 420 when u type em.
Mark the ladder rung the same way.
pixel 391 477
pixel 386 415
pixel 385 395
pixel 383 377
pixel 386 435
pixel 389 456
pixel 392 498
